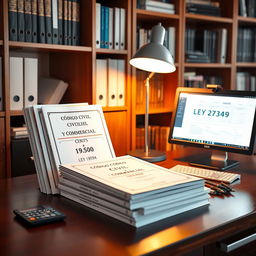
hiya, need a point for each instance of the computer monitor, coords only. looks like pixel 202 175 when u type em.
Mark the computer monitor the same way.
pixel 218 120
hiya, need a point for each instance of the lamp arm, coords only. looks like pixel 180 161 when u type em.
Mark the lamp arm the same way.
pixel 146 81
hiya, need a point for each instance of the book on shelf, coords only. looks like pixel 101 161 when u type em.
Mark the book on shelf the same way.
pixel 247 8
pixel 65 133
pixel 206 45
pixel 245 81
pixel 45 21
pixel 204 9
pixel 110 82
pixel 157 6
pixel 136 192
pixel 51 90
pixel 19 132
pixel 110 27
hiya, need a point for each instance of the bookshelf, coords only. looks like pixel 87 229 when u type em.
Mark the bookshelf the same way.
pixel 77 65
pixel 74 64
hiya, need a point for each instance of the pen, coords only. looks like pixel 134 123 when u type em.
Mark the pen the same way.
pixel 215 188
pixel 220 185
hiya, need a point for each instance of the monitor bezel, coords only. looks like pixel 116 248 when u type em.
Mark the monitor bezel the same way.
pixel 179 90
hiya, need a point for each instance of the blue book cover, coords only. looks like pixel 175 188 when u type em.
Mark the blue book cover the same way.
pixel 106 27
pixel 102 20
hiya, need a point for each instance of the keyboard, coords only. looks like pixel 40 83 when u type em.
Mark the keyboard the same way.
pixel 208 174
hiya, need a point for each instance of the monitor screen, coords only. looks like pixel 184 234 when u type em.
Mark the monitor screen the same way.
pixel 223 120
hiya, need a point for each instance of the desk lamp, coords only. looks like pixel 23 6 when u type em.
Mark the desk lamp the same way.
pixel 153 57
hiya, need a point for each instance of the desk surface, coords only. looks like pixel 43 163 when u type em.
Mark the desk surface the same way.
pixel 86 232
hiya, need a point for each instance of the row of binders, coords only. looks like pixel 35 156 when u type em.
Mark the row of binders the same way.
pixel 110 82
pixel 45 21
pixel 85 169
pixel 110 27
pixel 27 88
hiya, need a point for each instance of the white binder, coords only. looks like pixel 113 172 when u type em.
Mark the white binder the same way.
pixel 110 29
pixel 30 81
pixel 16 83
pixel 112 82
pixel 120 82
pixel 98 24
pixel 101 82
pixel 116 28
pixel 122 29
pixel 1 86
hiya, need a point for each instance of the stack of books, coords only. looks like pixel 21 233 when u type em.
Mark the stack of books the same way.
pixel 65 133
pixel 19 132
pixel 131 190
pixel 204 7
pixel 156 6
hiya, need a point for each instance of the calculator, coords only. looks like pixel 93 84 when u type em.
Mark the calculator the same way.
pixel 39 215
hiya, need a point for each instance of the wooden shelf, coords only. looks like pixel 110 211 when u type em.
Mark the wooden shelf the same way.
pixel 207 65
pixel 48 47
pixel 114 109
pixel 246 64
pixel 149 15
pixel 111 51
pixel 154 111
pixel 2 114
pixel 245 20
pixel 16 113
pixel 208 19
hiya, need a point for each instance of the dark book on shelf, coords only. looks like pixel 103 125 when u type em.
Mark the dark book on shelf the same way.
pixel 197 57
pixel 34 20
pixel 12 5
pixel 60 21
pixel 28 21
pixel 48 21
pixel 65 22
pixel 75 22
pixel 69 22
pixel 41 22
pixel 203 9
pixel 21 20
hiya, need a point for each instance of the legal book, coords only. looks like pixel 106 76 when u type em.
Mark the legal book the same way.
pixel 67 133
pixel 130 179
pixel 12 14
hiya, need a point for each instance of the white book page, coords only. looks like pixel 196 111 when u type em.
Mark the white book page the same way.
pixel 78 133
pixel 131 175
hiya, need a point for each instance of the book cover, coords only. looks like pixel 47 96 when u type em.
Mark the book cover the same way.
pixel 21 20
pixel 48 21
pixel 28 20
pixel 55 29
pixel 75 21
pixel 41 22
pixel 13 23
pixel 60 22
pixel 34 21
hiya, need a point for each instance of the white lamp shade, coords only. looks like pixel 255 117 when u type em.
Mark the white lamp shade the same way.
pixel 154 57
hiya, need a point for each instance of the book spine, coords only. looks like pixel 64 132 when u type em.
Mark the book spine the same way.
pixel 65 22
pixel 41 21
pixel 69 15
pixel 106 27
pixel 34 20
pixel 48 21
pixel 13 35
pixel 55 31
pixel 60 21
pixel 102 34
pixel 75 22
pixel 21 20
pixel 28 21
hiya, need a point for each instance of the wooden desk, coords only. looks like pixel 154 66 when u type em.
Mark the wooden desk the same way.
pixel 86 232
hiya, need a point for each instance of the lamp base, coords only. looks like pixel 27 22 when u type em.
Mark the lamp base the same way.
pixel 151 156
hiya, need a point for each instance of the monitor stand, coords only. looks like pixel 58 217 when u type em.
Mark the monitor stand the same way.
pixel 217 160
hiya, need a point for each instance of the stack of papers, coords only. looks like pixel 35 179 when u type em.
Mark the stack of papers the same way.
pixel 65 133
pixel 132 190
